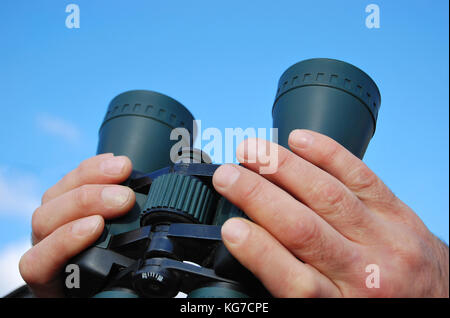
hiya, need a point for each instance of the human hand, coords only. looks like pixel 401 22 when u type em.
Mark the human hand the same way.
pixel 71 218
pixel 325 207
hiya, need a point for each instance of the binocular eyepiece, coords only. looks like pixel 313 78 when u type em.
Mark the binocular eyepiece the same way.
pixel 170 241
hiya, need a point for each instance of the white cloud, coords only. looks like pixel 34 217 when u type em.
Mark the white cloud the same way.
pixel 19 193
pixel 58 127
pixel 10 255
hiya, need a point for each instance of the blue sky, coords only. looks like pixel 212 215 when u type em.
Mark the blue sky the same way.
pixel 222 60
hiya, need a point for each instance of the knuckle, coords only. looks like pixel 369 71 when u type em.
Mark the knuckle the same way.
pixel 82 196
pixel 263 255
pixel 411 255
pixel 351 255
pixel 298 284
pixel 367 185
pixel 327 195
pixel 301 285
pixel 252 192
pixel 302 234
pixel 309 289
pixel 285 161
pixel 81 171
pixel 388 196
pixel 363 179
pixel 388 201
pixel 46 196
pixel 37 226
pixel 329 153
pixel 414 255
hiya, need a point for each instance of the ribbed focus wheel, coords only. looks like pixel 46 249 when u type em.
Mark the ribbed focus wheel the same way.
pixel 179 195
pixel 226 210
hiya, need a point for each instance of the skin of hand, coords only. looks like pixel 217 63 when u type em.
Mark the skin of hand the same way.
pixel 325 207
pixel 322 205
pixel 71 218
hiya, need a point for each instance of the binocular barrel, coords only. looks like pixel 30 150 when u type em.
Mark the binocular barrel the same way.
pixel 138 124
pixel 328 96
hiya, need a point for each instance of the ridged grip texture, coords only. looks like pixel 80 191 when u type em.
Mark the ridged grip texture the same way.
pixel 332 73
pixel 226 210
pixel 185 194
pixel 151 105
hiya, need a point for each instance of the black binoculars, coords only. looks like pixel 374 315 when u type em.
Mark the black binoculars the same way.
pixel 170 241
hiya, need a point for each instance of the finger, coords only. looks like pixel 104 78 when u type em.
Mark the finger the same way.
pixel 101 169
pixel 108 201
pixel 330 156
pixel 323 193
pixel 298 228
pixel 41 265
pixel 266 258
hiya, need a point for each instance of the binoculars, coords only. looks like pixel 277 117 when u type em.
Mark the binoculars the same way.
pixel 170 241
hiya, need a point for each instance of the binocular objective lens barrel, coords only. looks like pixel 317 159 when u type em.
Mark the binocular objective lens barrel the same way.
pixel 138 124
pixel 328 96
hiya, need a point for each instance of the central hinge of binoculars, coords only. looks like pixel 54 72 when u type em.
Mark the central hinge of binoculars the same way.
pixel 167 255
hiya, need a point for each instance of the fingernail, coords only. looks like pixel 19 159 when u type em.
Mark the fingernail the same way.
pixel 301 139
pixel 225 176
pixel 116 196
pixel 113 166
pixel 87 225
pixel 235 231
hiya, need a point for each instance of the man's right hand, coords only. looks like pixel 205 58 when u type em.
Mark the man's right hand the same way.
pixel 71 218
